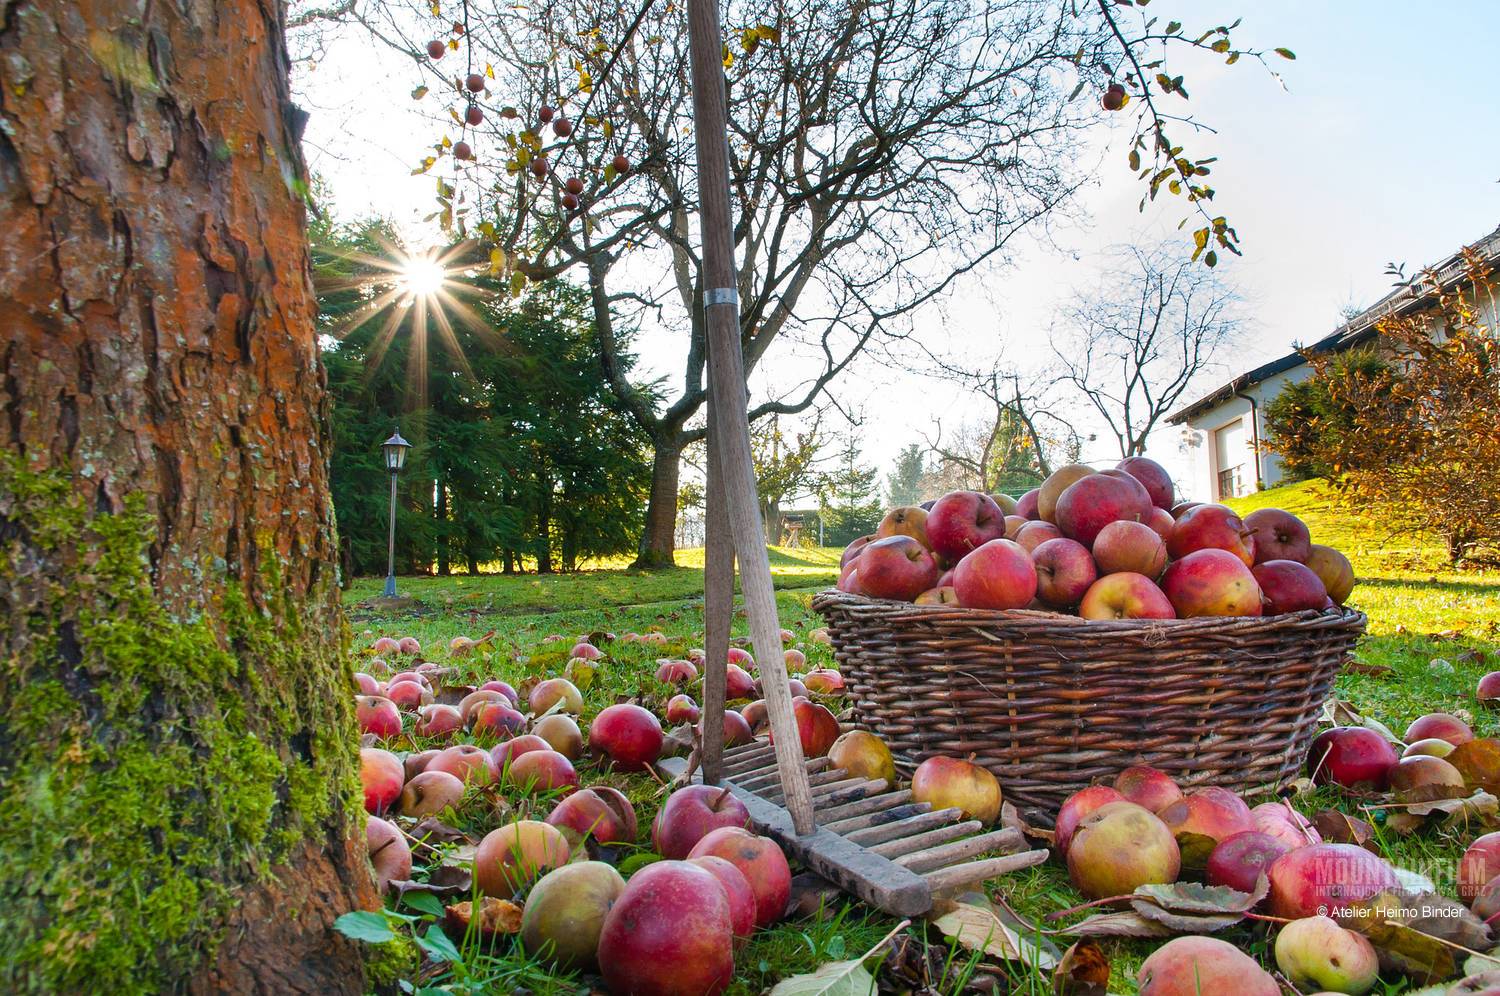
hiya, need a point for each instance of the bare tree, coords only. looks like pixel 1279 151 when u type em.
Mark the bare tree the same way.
pixel 1013 444
pixel 1136 344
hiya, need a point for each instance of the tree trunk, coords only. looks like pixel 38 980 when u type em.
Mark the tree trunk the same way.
pixel 658 541
pixel 176 706
pixel 544 527
pixel 509 566
pixel 440 513
pixel 770 519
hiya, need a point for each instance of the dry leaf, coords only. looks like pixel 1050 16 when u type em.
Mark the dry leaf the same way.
pixel 1083 971
pixel 496 917
pixel 837 978
pixel 1479 762
pixel 1409 933
pixel 981 929
pixel 1341 828
pixel 1129 924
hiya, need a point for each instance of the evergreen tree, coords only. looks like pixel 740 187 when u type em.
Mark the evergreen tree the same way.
pixel 849 497
pixel 904 485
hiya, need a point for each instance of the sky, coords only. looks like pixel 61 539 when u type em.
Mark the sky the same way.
pixel 1382 147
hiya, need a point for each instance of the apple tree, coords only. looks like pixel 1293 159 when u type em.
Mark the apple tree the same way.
pixel 880 152
pixel 176 708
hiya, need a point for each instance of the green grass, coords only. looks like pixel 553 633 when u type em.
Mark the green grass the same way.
pixel 1420 609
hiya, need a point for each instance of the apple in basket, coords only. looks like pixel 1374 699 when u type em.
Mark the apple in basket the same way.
pixel 962 521
pixel 897 567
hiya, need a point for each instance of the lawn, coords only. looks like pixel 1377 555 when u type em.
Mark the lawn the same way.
pixel 1433 632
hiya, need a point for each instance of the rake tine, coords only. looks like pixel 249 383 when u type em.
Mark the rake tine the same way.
pixel 1007 839
pixel 901 821
pixel 864 807
pixel 917 842
pixel 958 876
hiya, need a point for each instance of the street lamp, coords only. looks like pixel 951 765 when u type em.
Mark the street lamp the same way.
pixel 395 455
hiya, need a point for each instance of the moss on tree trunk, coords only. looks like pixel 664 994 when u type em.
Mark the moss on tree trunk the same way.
pixel 180 766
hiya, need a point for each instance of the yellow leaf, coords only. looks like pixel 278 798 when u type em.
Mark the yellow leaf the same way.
pixel 497 259
pixel 585 83
pixel 489 70
pixel 517 283
pixel 447 142
pixel 728 57
pixel 437 11
pixel 979 929
pixel 609 129
pixel 770 34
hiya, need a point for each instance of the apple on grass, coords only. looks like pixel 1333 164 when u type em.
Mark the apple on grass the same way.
pixel 1479 865
pixel 469 764
pixel 962 521
pixel 1119 847
pixel 1239 860
pixel 1326 879
pixel 760 860
pixel 1200 966
pixel 1073 810
pixel 1439 726
pixel 953 783
pixel 1317 954
pixel 897 567
pixel 437 721
pixel 429 793
pixel 381 774
pixel 1148 787
pixel 1202 820
pixel 690 813
pixel 1125 596
pixel 627 735
pixel 738 893
pixel 670 932
pixel 682 709
pixel 598 811
pixel 562 732
pixel 377 716
pixel 389 852
pixel 1351 756
pixel 548 693
pixel 676 672
pixel 565 912
pixel 999 574
pixel 511 857
pixel 737 683
pixel 538 772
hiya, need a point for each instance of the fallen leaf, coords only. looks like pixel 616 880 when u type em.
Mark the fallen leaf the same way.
pixel 1479 762
pixel 981 929
pixel 1191 897
pixel 1416 935
pixel 496 917
pixel 1083 971
pixel 837 978
pixel 1341 828
pixel 434 831
pixel 1127 924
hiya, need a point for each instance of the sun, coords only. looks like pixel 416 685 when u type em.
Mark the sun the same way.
pixel 423 276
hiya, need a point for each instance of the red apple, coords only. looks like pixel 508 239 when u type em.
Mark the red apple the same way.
pixel 1034 534
pixel 1279 535
pixel 408 695
pixel 736 890
pixel 824 681
pixel 762 863
pixel 511 857
pixel 1202 820
pixel 416 763
pixel 1479 865
pixel 1064 572
pixel 670 932
pixel 1162 522
pixel 1211 582
pixel 492 720
pixel 389 851
pixel 959 522
pixel 1488 690
pixel 998 575
pixel 737 730
pixel 586 650
pixel 386 646
pixel 755 715
pixel 469 764
pixel 539 771
pixel 439 722
pixel 1324 879
pixel 628 735
pixel 506 752
pixel 897 567
pixel 853 549
pixel 1026 505
pixel 1142 496
pixel 1211 527
pixel 676 672
pixel 740 657
pixel 794 659
pixel 1130 546
pixel 1074 808
pixel 1440 726
pixel 1287 586
pixel 1013 524
pixel 953 783
pixel 1148 787
pixel 909 520
pixel 817 728
pixel 1093 502
pixel 367 683
pixel 381 774
pixel 944 595
pixel 690 813
pixel 503 688
pixel 377 716
pixel 1125 596
pixel 1351 756
pixel 1238 861
pixel 430 792
pixel 410 646
pixel 598 811
pixel 1280 820
pixel 682 709
pixel 1153 477
pixel 737 683
pixel 1181 508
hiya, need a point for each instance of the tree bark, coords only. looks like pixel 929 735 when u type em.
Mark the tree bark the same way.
pixel 658 538
pixel 176 705
pixel 440 514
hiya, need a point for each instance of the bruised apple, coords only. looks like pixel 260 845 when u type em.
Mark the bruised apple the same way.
pixel 952 783
pixel 760 860
pixel 565 913
pixel 1148 787
pixel 669 933
pixel 1240 860
pixel 1074 808
pixel 908 520
pixel 1119 847
pixel 682 709
pixel 1326 878
pixel 736 890
pixel 1202 820
pixel 1200 966
pixel 389 851
pixel 598 811
pixel 553 691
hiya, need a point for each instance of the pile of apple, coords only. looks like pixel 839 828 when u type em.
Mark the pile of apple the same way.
pixel 674 925
pixel 1105 545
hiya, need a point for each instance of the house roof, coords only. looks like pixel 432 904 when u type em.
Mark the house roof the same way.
pixel 1403 299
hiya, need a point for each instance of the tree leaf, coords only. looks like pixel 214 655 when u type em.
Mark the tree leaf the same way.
pixel 369 926
pixel 1286 53
pixel 980 929
pixel 437 945
pixel 424 901
pixel 1409 932
pixel 1126 924
pixel 1083 971
pixel 837 978
pixel 1192 897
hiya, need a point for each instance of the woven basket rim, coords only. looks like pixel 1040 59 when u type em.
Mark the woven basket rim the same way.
pixel 895 611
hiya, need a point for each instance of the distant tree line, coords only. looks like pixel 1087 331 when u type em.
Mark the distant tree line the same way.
pixel 521 460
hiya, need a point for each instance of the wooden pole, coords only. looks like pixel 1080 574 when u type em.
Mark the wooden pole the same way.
pixel 728 401
pixel 718 612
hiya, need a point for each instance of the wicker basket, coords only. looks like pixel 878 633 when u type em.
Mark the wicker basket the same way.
pixel 1052 703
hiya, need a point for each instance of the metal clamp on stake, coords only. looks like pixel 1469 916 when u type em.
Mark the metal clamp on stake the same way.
pixel 721 295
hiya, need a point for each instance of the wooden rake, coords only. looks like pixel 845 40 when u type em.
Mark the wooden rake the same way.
pixel 874 841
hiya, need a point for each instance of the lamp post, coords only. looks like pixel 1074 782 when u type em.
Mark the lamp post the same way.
pixel 395 455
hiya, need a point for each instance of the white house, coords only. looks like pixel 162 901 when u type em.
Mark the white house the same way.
pixel 1223 431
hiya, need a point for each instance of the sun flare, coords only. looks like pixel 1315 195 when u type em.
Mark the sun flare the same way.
pixel 423 276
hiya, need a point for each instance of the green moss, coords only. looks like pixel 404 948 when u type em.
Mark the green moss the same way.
pixel 155 761
pixel 392 961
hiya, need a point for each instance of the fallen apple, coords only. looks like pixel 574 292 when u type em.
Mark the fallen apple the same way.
pixel 670 932
pixel 511 857
pixel 1119 847
pixel 562 732
pixel 381 775
pixel 863 755
pixel 953 783
pixel 598 811
pixel 389 852
pixel 690 813
pixel 565 912
pixel 1203 966
pixel 760 860
pixel 628 735
pixel 1315 953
